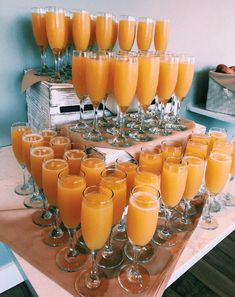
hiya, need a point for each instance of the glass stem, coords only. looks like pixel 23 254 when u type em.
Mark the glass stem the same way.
pixel 163 109
pixel 57 64
pixel 56 222
pixel 185 213
pixel 95 121
pixel 142 118
pixel 206 210
pixel 94 269
pixel 121 123
pixel 81 109
pixel 135 271
pixel 24 176
pixel 108 246
pixel 178 104
pixel 103 111
pixel 72 250
pixel 68 56
pixel 167 221
pixel 43 58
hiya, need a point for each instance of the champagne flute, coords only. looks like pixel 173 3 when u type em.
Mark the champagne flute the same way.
pixel 40 36
pixel 161 34
pixel 92 40
pixel 17 131
pixel 114 32
pixel 151 158
pixel 58 144
pixel 74 153
pixel 125 84
pixel 146 88
pixel 171 148
pixel 81 28
pixel 173 182
pixel 47 135
pixel 53 236
pixel 126 32
pixel 144 33
pixel 70 189
pixel 141 223
pixel 29 141
pixel 104 31
pixel 196 169
pixel 115 179
pixel 96 223
pixel 37 155
pixel 56 33
pixel 217 173
pixel 79 84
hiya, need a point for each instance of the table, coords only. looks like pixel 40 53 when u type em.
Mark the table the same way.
pixel 200 243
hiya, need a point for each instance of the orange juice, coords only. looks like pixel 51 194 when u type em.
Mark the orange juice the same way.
pixel 66 37
pixel 200 138
pixel 130 170
pixel 173 181
pixel 114 32
pixel 125 80
pixel 16 140
pixel 70 189
pixel 167 79
pixel 144 33
pixel 216 135
pixel 55 27
pixel 74 158
pixel 195 176
pixel 78 74
pixel 222 147
pixel 50 172
pixel 147 178
pixel 232 170
pixel 151 160
pixel 70 30
pixel 171 149
pixel 196 149
pixel 104 31
pixel 142 218
pixel 147 79
pixel 29 141
pixel 126 32
pixel 185 78
pixel 96 219
pixel 92 167
pixel 37 156
pixel 93 29
pixel 58 145
pixel 39 28
pixel 81 28
pixel 97 70
pixel 110 76
pixel 217 172
pixel 161 34
pixel 47 135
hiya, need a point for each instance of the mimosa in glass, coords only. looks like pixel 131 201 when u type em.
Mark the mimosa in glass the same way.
pixel 126 32
pixel 161 35
pixel 144 33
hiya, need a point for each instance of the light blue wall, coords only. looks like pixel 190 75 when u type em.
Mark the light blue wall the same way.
pixel 204 29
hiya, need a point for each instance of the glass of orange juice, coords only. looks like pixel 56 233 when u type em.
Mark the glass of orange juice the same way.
pixel 216 133
pixel 97 71
pixel 56 34
pixel 53 236
pixel 58 144
pixel 148 73
pixel 81 28
pixel 70 191
pixel 161 34
pixel 142 219
pixel 115 179
pixel 92 40
pixel 196 167
pixel 73 154
pixel 151 158
pixel 173 183
pixel 17 131
pixel 144 33
pixel 184 82
pixel 126 32
pixel 217 174
pixel 29 141
pixel 196 149
pixel 171 148
pixel 47 135
pixel 96 223
pixel 40 36
pixel 79 84
pixel 104 30
pixel 168 74
pixel 114 32
pixel 39 154
pixel 124 88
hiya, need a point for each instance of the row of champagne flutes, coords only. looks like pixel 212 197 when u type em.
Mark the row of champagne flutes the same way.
pixel 158 168
pixel 147 75
pixel 60 29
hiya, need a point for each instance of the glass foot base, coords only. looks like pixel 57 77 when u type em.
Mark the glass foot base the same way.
pixel 142 137
pixel 215 206
pixel 52 237
pixel 146 253
pixel 120 236
pixel 209 224
pixel 98 288
pixel 228 200
pixel 131 282
pixel 121 142
pixel 181 226
pixel 69 264
pixel 34 201
pixel 43 218
pixel 79 127
pixel 93 136
pixel 163 239
pixel 112 131
pixel 113 260
pixel 42 72
pixel 191 211
pixel 24 190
